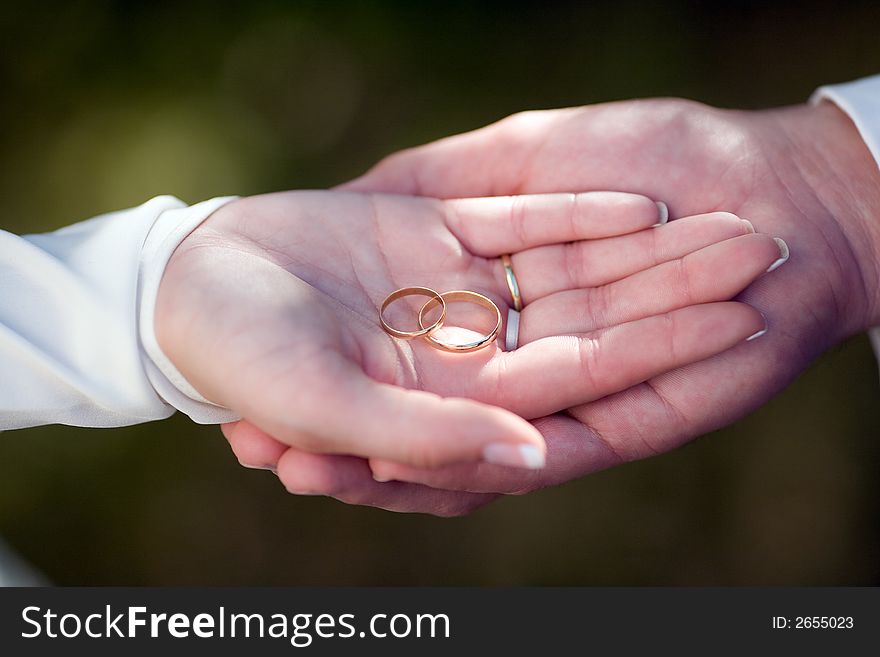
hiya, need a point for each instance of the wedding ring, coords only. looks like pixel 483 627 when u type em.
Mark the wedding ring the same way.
pixel 462 295
pixel 435 299
pixel 512 285
pixel 511 336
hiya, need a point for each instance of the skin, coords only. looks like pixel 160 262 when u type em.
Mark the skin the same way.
pixel 287 287
pixel 802 173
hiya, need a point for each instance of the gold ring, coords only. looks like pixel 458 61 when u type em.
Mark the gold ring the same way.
pixel 409 291
pixel 463 295
pixel 512 285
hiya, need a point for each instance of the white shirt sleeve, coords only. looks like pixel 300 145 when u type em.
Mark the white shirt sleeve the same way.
pixel 71 351
pixel 860 99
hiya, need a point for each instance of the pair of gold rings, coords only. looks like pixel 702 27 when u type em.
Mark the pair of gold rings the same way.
pixel 437 299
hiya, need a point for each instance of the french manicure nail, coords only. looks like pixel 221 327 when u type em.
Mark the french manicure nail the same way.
pixel 517 456
pixel 664 213
pixel 783 254
pixel 749 225
pixel 755 336
pixel 259 467
pixel 758 334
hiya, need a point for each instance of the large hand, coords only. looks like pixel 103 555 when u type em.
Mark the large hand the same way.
pixel 270 308
pixel 802 173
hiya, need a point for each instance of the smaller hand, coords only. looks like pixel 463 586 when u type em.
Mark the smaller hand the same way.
pixel 647 299
pixel 270 308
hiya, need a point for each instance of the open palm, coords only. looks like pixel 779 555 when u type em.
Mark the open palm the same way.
pixel 269 308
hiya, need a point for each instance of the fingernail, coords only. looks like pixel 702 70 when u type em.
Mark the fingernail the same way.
pixel 783 254
pixel 758 334
pixel 517 456
pixel 270 468
pixel 381 478
pixel 749 225
pixel 664 213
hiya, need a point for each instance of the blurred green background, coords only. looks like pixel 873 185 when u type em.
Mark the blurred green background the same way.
pixel 106 104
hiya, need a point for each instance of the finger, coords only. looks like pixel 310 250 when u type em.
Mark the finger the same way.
pixel 715 273
pixel 493 226
pixel 490 160
pixel 410 426
pixel 590 263
pixel 573 450
pixel 345 478
pixel 651 418
pixel 679 405
pixel 572 370
pixel 253 447
pixel 350 480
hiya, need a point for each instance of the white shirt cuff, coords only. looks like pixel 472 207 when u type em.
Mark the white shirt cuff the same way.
pixel 169 230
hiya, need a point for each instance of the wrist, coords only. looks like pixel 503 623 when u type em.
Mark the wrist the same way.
pixel 843 178
pixel 165 300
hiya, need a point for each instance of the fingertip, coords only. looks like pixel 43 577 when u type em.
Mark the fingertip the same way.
pixel 762 324
pixel 621 213
pixel 253 447
pixel 783 254
pixel 470 428
pixel 756 334
pixel 303 473
pixel 737 322
pixel 662 213
pixel 228 430
pixel 517 455
pixel 382 470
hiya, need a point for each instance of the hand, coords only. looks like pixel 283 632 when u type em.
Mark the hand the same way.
pixel 270 308
pixel 802 173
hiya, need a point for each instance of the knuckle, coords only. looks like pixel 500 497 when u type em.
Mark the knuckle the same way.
pixel 519 219
pixel 393 161
pixel 670 333
pixel 574 212
pixel 682 280
pixel 426 454
pixel 573 264
pixel 518 118
pixel 589 360
pixel 599 305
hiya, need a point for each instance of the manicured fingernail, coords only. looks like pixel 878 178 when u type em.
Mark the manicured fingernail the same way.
pixel 381 478
pixel 749 225
pixel 270 468
pixel 664 213
pixel 783 254
pixel 517 456
pixel 758 334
